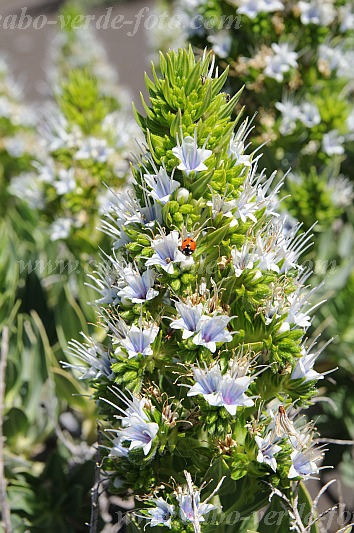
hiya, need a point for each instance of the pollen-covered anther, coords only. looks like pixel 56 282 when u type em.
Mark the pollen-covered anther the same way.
pixel 287 369
pixel 147 405
pixel 169 416
pixel 225 445
pixel 153 391
pixel 285 426
pixel 223 261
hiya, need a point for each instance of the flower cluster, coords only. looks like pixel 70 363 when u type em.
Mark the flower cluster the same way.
pixel 18 223
pixel 17 128
pixel 87 135
pixel 295 62
pixel 66 54
pixel 206 308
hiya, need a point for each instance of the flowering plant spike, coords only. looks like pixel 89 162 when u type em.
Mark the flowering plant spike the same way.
pixel 206 308
pixel 294 59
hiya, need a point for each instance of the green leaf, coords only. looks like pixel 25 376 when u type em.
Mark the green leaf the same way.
pixel 219 82
pixel 138 117
pixel 228 108
pixel 199 186
pixel 70 389
pixel 193 79
pixel 206 103
pixel 176 124
pixel 15 424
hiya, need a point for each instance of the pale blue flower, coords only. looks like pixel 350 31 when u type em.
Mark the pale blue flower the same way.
pixel 192 158
pixel 59 133
pixel 136 430
pixel 295 307
pixel 237 146
pixel 267 451
pixel 134 406
pixel 96 358
pixel 140 433
pixel 304 366
pixel 219 205
pixel 266 253
pixel 26 187
pixel 243 259
pixel 207 384
pixel 60 228
pixel 65 181
pixel 95 149
pixel 252 8
pixel 213 330
pixel 309 114
pixel 139 287
pixel 346 17
pixel 269 6
pixel 151 213
pixel 267 194
pixel 281 61
pixel 290 114
pixel 160 515
pixel 290 243
pixel 106 283
pixel 246 207
pixel 221 390
pixel 191 509
pixel 316 12
pixel 138 340
pixel 341 190
pixel 331 56
pixel 166 252
pixel 16 146
pixel 232 392
pixel 190 318
pixel 162 185
pixel 304 463
pixel 221 43
pixel 117 449
pixel 124 210
pixel 332 143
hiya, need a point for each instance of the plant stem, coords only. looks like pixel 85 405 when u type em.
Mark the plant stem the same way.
pixel 94 492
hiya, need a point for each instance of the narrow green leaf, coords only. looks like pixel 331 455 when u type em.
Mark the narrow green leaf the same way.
pixel 206 103
pixel 193 79
pixel 138 117
pixel 227 109
pixel 176 124
pixel 219 82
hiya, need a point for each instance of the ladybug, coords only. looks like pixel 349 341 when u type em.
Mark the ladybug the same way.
pixel 188 246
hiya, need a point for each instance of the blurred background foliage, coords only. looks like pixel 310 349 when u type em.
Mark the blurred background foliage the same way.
pixel 56 164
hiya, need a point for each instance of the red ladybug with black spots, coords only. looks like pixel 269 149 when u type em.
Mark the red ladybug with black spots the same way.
pixel 188 246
